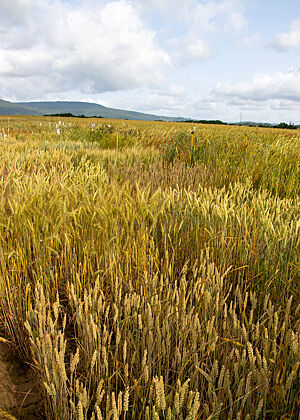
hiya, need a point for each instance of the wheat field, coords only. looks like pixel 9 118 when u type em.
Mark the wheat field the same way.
pixel 151 270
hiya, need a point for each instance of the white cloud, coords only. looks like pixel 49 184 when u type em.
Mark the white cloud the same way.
pixel 165 100
pixel 196 19
pixel 206 104
pixel 175 90
pixel 162 104
pixel 246 104
pixel 220 16
pixel 185 50
pixel 14 11
pixel 164 6
pixel 131 54
pixel 249 41
pixel 284 105
pixel 197 50
pixel 265 86
pixel 66 48
pixel 207 15
pixel 286 40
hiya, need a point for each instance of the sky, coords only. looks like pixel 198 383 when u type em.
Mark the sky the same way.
pixel 202 59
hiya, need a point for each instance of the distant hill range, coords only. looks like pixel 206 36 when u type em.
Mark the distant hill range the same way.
pixel 267 125
pixel 76 108
pixel 87 109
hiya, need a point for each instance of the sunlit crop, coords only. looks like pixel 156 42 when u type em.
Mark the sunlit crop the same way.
pixel 156 277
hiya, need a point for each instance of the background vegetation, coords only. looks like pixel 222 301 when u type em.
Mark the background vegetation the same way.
pixel 151 270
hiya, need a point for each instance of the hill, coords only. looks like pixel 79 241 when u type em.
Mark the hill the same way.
pixel 11 108
pixel 76 108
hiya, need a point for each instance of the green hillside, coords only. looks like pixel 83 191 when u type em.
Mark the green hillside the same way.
pixel 11 108
pixel 75 108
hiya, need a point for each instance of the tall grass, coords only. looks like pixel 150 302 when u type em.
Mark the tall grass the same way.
pixel 159 281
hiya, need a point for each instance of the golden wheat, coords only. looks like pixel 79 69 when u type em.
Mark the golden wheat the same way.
pixel 146 286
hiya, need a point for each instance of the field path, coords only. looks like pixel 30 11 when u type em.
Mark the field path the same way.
pixel 19 392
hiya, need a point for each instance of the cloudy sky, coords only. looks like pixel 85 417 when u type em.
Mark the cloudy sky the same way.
pixel 204 59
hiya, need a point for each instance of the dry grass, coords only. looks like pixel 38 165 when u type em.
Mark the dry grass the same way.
pixel 159 281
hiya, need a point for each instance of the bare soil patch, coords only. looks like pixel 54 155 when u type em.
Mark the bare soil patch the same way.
pixel 20 393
